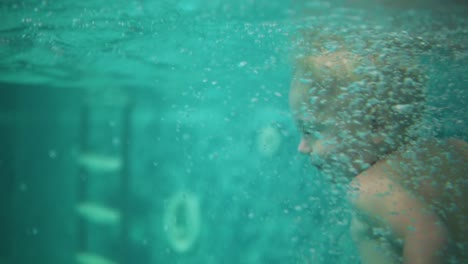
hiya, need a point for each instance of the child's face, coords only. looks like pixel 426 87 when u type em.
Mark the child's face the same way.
pixel 335 136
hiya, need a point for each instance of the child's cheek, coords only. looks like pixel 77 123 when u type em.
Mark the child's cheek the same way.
pixel 324 146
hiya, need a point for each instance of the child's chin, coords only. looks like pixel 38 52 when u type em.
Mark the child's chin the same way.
pixel 317 161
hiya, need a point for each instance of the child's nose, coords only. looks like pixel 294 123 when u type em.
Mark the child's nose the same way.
pixel 304 146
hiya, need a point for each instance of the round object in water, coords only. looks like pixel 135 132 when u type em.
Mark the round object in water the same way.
pixel 268 141
pixel 182 221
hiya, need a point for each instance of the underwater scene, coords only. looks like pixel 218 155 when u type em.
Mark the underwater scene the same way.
pixel 233 131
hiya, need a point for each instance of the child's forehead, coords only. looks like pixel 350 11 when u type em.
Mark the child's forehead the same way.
pixel 337 64
pixel 304 112
pixel 305 100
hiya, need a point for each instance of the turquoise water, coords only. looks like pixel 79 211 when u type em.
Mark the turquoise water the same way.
pixel 110 110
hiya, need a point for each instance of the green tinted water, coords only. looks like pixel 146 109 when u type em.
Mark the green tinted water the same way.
pixel 205 80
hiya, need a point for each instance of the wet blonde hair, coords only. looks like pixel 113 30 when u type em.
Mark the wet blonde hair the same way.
pixel 387 90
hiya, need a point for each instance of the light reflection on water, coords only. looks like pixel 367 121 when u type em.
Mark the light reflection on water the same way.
pixel 132 43
pixel 141 43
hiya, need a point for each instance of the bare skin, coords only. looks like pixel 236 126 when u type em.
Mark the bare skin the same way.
pixel 409 199
pixel 428 214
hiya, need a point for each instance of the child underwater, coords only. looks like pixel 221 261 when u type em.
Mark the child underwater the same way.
pixel 360 116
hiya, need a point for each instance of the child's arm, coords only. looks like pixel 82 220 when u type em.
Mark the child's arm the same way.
pixel 424 236
pixel 372 248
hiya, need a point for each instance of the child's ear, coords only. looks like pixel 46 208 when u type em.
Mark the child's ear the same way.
pixel 377 117
pixel 377 127
pixel 377 138
pixel 376 130
pixel 376 124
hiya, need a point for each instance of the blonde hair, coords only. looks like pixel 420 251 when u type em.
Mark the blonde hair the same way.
pixel 388 89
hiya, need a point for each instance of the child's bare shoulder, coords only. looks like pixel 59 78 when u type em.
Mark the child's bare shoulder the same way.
pixel 373 188
pixel 386 202
pixel 421 170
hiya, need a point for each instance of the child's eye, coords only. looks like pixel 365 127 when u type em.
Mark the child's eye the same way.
pixel 313 131
pixel 309 132
pixel 305 129
pixel 306 133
